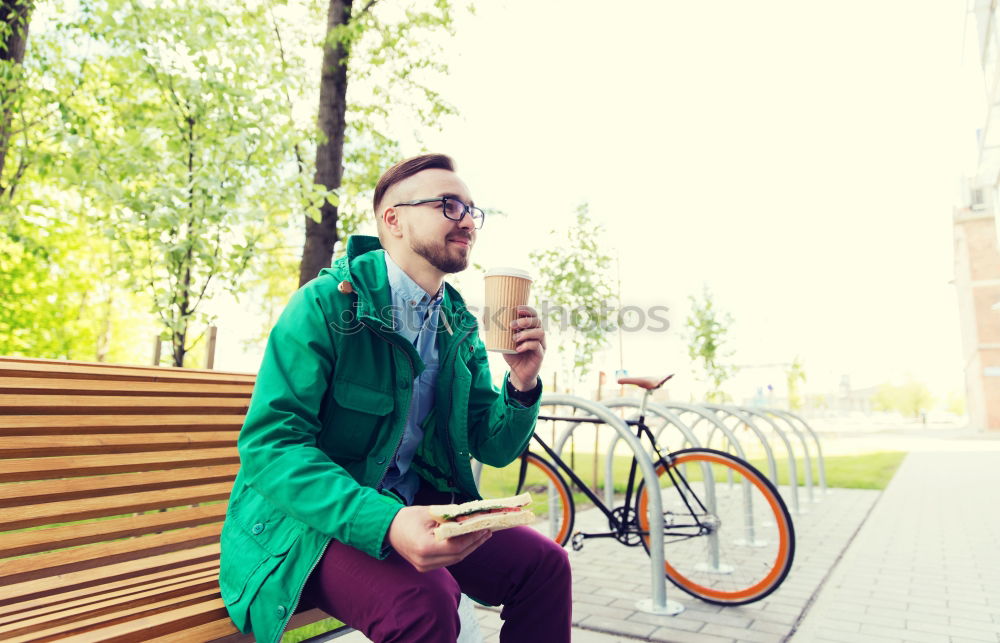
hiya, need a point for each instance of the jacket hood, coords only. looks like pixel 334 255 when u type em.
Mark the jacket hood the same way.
pixel 364 267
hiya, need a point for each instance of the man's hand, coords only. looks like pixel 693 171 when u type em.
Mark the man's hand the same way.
pixel 529 337
pixel 411 534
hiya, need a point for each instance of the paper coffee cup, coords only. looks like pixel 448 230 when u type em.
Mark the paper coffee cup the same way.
pixel 506 289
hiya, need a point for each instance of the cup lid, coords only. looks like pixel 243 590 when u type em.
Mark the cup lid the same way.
pixel 509 272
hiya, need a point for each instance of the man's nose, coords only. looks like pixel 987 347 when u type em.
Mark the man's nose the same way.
pixel 466 221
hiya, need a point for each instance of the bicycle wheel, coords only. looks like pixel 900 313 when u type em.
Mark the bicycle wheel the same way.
pixel 728 537
pixel 551 500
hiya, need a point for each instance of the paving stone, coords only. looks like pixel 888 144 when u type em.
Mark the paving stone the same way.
pixel 902 633
pixel 674 636
pixel 617 626
pixel 669 622
pixel 606 611
pixel 741 634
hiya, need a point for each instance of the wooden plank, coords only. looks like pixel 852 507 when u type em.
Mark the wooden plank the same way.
pixel 68 581
pixel 59 467
pixel 41 540
pixel 43 424
pixel 47 367
pixel 208 568
pixel 33 493
pixel 57 445
pixel 19 404
pixel 110 605
pixel 66 386
pixel 136 623
pixel 48 513
pixel 94 558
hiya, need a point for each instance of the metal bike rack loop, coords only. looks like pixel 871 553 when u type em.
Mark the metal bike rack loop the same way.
pixel 708 415
pixel 788 416
pixel 760 413
pixel 659 603
pixel 792 471
pixel 651 407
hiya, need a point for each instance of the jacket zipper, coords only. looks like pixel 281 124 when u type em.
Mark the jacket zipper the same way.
pixel 302 588
pixel 450 447
pixel 399 444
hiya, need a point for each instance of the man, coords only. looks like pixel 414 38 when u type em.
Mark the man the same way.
pixel 373 394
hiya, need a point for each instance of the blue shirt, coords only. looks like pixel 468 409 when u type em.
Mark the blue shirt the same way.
pixel 415 316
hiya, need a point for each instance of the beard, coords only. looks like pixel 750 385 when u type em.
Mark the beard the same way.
pixel 440 255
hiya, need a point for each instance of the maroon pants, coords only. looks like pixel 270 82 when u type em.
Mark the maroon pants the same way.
pixel 389 600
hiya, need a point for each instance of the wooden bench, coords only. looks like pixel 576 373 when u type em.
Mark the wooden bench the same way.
pixel 113 489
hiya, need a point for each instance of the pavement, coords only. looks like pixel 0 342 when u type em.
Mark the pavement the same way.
pixel 919 561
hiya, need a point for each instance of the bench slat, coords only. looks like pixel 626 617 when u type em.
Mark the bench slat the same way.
pixel 57 368
pixel 94 558
pixel 66 386
pixel 155 619
pixel 95 592
pixel 75 424
pixel 37 492
pixel 48 404
pixel 57 445
pixel 86 508
pixel 41 540
pixel 45 468
pixel 18 591
pixel 80 609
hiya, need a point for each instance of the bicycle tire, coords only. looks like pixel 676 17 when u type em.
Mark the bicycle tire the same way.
pixel 715 567
pixel 541 478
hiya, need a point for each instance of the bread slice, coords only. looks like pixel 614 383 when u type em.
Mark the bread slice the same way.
pixel 493 522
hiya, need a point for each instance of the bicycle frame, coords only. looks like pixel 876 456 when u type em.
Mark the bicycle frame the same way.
pixel 622 528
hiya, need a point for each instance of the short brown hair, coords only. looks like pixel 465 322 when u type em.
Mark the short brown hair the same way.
pixel 406 169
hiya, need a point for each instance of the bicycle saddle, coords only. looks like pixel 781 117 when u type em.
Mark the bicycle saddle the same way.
pixel 648 383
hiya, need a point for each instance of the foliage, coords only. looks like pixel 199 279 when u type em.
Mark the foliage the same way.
pixel 955 403
pixel 187 148
pixel 707 329
pixel 795 376
pixel 910 398
pixel 576 292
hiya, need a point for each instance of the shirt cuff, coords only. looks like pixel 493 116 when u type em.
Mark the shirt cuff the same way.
pixel 524 398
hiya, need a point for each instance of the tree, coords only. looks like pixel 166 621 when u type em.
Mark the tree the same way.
pixel 188 149
pixel 795 375
pixel 358 44
pixel 911 398
pixel 14 16
pixel 707 330
pixel 576 292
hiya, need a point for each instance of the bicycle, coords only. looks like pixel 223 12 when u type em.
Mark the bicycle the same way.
pixel 714 547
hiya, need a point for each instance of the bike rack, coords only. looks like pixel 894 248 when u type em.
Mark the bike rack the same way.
pixel 666 414
pixel 760 413
pixel 788 416
pixel 717 425
pixel 659 603
pixel 747 420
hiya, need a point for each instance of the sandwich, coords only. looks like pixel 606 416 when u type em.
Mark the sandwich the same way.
pixel 499 513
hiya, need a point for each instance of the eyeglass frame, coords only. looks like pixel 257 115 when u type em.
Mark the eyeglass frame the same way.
pixel 467 209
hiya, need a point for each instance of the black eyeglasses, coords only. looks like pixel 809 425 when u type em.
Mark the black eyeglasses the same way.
pixel 453 209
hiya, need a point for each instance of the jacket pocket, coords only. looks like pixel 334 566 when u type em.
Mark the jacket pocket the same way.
pixel 356 415
pixel 255 539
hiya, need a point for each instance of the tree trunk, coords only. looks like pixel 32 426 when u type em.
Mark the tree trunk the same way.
pixel 14 14
pixel 321 237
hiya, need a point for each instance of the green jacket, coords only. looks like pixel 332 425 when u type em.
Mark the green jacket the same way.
pixel 327 415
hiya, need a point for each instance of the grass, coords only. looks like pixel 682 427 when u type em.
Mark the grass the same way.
pixel 308 631
pixel 863 471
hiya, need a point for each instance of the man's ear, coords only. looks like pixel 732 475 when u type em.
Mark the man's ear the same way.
pixel 391 223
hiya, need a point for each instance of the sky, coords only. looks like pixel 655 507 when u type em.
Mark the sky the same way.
pixel 800 159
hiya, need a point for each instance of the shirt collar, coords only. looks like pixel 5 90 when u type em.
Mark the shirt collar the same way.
pixel 405 290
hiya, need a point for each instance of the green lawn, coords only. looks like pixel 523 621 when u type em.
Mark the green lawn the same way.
pixel 863 471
